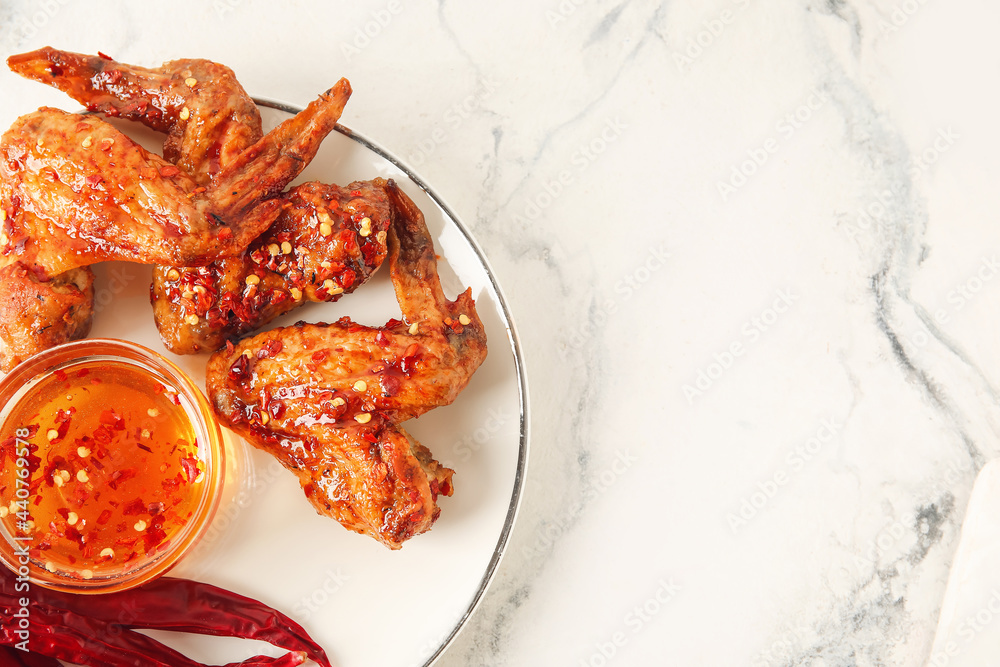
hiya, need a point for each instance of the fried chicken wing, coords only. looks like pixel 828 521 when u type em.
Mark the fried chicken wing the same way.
pixel 36 314
pixel 327 399
pixel 326 244
pixel 75 191
pixel 208 117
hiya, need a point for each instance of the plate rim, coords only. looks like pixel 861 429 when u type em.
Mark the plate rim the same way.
pixel 515 345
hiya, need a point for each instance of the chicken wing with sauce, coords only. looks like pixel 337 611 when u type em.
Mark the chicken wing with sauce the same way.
pixel 327 399
pixel 322 245
pixel 37 313
pixel 208 117
pixel 326 244
pixel 75 191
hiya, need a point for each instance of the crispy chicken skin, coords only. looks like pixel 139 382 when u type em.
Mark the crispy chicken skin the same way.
pixel 208 127
pixel 38 314
pixel 325 244
pixel 327 399
pixel 75 191
pixel 208 117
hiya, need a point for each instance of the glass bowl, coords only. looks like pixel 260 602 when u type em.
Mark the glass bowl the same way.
pixel 111 466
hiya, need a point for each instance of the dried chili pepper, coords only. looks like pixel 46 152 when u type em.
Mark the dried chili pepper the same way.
pixel 98 629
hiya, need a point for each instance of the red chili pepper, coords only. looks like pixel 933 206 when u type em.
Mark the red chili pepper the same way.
pixel 97 630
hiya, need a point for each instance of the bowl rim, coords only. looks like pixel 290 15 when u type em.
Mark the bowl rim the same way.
pixel 15 387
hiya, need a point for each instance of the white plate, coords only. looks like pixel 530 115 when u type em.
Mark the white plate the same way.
pixel 366 605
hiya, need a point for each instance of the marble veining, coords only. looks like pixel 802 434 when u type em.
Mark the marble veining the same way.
pixel 749 247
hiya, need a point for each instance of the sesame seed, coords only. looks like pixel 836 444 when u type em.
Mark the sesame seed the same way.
pixel 325 229
pixel 338 401
pixel 81 476
pixel 264 418
pixel 191 319
pixel 363 417
pixel 50 566
pixel 286 247
pixel 191 82
pixel 140 525
pixel 360 385
pixel 87 143
pixel 173 274
pixel 153 412
pixel 82 451
pixel 86 574
pixel 107 552
pixel 274 249
pixel 185 113
pixel 252 279
pixel 464 320
pixel 52 434
pixel 413 329
pixel 72 518
pixel 296 293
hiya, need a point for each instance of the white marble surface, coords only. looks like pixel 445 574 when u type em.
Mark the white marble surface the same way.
pixel 752 251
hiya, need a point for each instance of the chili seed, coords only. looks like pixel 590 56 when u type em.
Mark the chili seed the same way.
pixel 185 113
pixel 52 434
pixel 464 320
pixel 82 452
pixel 140 525
pixel 153 412
pixel 338 401
pixel 252 279
pixel 363 417
pixel 107 552
pixel 86 574
pixel 81 476
pixel 87 143
pixel 360 385
pixel 72 518
pixel 413 329
pixel 191 82
pixel 173 274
